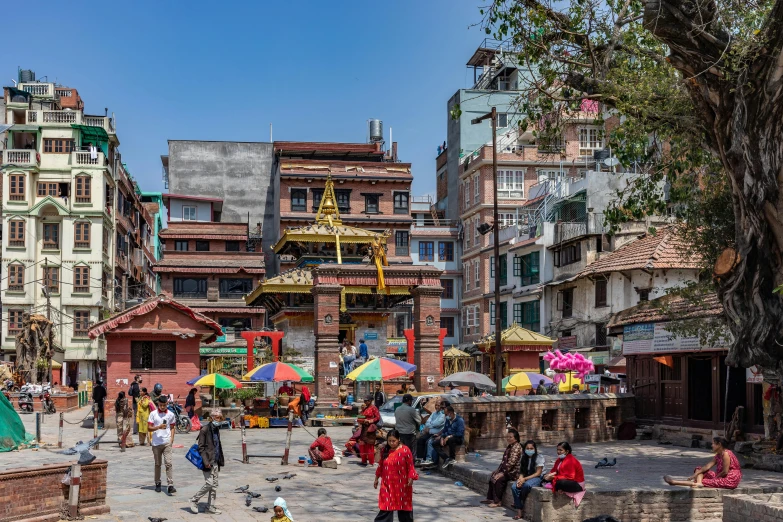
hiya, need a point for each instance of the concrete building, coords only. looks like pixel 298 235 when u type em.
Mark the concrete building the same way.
pixel 153 202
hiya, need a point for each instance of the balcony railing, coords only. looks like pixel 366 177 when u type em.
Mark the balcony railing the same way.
pixel 100 121
pixel 51 245
pixel 38 89
pixel 20 158
pixel 86 158
pixel 591 224
pixel 190 295
pixel 44 117
pixel 232 295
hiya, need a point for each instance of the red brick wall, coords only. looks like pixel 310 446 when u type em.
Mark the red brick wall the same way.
pixel 523 360
pixel 215 245
pixel 38 492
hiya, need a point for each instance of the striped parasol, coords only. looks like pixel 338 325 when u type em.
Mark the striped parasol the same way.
pixel 524 381
pixel 278 372
pixel 216 380
pixel 381 369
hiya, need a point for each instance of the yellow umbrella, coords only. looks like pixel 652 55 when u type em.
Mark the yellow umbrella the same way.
pixel 567 385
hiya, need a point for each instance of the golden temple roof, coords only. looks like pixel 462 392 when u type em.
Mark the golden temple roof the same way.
pixel 455 352
pixel 516 335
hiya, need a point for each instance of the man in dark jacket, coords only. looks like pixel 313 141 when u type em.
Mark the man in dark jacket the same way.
pixel 134 392
pixel 211 451
pixel 98 396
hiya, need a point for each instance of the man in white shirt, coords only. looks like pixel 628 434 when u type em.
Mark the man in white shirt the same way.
pixel 161 425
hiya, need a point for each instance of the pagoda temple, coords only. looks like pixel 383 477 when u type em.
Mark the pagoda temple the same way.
pixel 341 286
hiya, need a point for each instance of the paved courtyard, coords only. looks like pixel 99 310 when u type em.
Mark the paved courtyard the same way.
pixel 344 494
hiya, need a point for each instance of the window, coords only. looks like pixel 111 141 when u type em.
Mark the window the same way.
pixel 298 200
pixel 466 190
pixel 503 316
pixel 59 145
pixel 189 213
pixel 448 324
pixel 81 235
pixel 644 295
pixel 81 323
pixel 565 302
pixel 467 277
pixel 52 279
pixel 16 237
pixel 16 187
pixel 599 243
pixel 511 184
pixel 426 251
pixel 232 246
pixel 476 188
pixel 153 355
pixel 565 333
pixel 51 238
pixel 467 235
pixel 448 288
pixel 590 140
pixel 235 323
pixel 401 243
pixel 503 269
pixel 343 200
pixel 568 254
pixel 502 120
pixel 507 219
pixel 83 189
pixel 600 334
pixel 235 288
pixel 445 251
pixel 106 240
pixel 81 279
pixel 527 315
pixel 371 204
pixel 401 202
pixel 476 232
pixel 552 142
pixel 527 269
pixel 16 277
pixel 47 189
pixel 317 195
pixel 15 321
pixel 476 269
pixel 202 246
pixel 181 245
pixel 600 292
pixel 190 287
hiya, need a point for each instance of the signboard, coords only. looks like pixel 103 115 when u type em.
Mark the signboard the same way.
pixel 753 375
pixel 370 335
pixel 226 350
pixel 654 338
pixel 566 343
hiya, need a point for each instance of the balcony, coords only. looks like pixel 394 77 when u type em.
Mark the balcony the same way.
pixel 20 158
pixel 104 122
pixel 54 118
pixel 41 90
pixel 591 224
pixel 86 159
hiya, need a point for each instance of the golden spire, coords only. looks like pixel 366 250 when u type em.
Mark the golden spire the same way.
pixel 328 213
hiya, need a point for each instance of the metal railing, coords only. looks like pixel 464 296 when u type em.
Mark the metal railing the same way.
pixel 591 224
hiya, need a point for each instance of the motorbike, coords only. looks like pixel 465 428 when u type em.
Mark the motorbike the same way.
pixel 10 386
pixel 26 402
pixel 47 403
pixel 182 421
pixel 36 389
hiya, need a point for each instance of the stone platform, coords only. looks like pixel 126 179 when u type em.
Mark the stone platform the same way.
pixel 632 491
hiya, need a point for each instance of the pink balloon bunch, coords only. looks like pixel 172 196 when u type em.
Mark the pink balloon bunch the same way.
pixel 568 362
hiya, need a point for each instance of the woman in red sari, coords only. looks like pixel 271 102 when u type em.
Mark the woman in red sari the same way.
pixel 567 474
pixel 727 474
pixel 396 475
pixel 362 443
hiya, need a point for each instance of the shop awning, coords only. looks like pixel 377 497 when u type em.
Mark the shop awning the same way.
pixel 24 128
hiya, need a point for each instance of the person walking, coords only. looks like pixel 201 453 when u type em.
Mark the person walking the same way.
pixel 162 423
pixel 134 392
pixel 143 415
pixel 124 418
pixel 98 397
pixel 407 421
pixel 364 353
pixel 396 474
pixel 190 402
pixel 211 451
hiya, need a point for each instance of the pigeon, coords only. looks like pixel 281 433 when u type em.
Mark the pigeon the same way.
pixel 248 501
pixel 278 489
pixel 83 450
pixel 242 489
pixel 289 476
pixel 271 479
pixel 156 519
pixel 601 463
pixel 254 495
pixel 611 463
pixel 261 509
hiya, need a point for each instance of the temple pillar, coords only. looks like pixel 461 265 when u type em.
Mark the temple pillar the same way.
pixel 426 329
pixel 327 347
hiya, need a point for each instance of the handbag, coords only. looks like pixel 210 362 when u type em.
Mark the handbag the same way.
pixel 194 457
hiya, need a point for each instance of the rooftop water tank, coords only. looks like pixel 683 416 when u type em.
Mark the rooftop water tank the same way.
pixel 376 131
pixel 26 76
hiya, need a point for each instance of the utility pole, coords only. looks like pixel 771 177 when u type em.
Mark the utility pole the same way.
pixel 49 317
pixel 493 116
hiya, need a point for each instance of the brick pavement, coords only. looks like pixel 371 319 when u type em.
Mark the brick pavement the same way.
pixel 343 494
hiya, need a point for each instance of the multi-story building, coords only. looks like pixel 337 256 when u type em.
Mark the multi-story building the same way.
pixel 153 202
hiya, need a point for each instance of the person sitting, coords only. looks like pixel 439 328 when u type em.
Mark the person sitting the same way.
pixel 321 449
pixel 452 436
pixel 432 427
pixel 727 474
pixel 507 471
pixel 567 474
pixel 453 390
pixel 530 470
pixel 575 389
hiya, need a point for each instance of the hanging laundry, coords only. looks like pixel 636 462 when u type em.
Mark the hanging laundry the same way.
pixel 93 152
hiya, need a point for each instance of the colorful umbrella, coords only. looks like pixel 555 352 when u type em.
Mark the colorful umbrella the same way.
pixel 381 369
pixel 278 372
pixel 217 380
pixel 570 380
pixel 475 379
pixel 524 381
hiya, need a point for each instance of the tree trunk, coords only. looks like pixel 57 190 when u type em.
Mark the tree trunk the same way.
pixel 743 124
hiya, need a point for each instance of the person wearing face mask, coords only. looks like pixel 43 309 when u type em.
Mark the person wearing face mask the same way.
pixel 211 451
pixel 567 474
pixel 161 424
pixel 530 470
pixel 451 437
pixel 506 472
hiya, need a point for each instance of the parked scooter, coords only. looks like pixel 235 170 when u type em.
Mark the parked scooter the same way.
pixel 10 386
pixel 36 389
pixel 48 403
pixel 26 402
pixel 183 422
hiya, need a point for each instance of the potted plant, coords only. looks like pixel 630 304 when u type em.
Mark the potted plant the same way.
pixel 226 396
pixel 246 395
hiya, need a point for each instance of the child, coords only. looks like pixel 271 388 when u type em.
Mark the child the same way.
pixel 281 511
pixel 321 449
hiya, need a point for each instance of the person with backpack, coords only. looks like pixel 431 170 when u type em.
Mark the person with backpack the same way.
pixel 134 392
pixel 211 451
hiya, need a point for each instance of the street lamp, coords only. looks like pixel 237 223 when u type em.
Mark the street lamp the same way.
pixel 493 116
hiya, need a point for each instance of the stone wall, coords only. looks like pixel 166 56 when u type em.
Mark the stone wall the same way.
pixel 544 418
pixel 758 508
pixel 758 455
pixel 38 493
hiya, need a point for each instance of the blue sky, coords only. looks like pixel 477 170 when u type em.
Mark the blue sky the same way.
pixel 224 71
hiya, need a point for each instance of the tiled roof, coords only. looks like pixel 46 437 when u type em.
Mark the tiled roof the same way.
pixel 204 228
pixel 669 307
pixel 222 263
pixel 663 250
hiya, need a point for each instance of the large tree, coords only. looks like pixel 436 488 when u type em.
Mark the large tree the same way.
pixel 698 88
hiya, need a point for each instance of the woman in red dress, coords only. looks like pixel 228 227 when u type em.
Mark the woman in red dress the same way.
pixel 362 443
pixel 396 474
pixel 567 474
pixel 727 474
pixel 321 449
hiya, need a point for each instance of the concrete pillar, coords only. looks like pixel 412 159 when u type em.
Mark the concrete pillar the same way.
pixel 327 332
pixel 426 329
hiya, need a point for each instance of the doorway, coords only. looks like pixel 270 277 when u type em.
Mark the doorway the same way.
pixel 737 389
pixel 700 388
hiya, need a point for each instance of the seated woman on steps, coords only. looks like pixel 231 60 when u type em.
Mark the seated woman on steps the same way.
pixel 727 474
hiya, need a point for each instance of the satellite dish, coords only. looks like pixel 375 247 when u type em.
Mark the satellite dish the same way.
pixel 611 162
